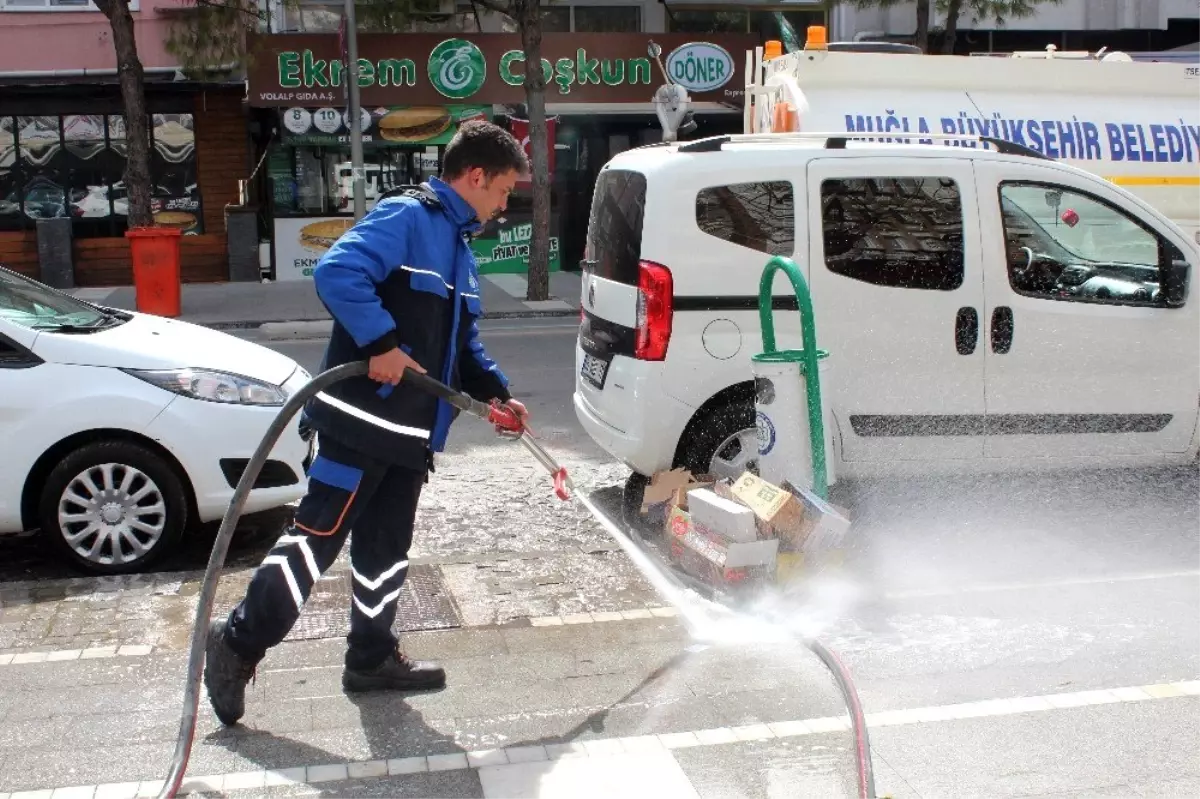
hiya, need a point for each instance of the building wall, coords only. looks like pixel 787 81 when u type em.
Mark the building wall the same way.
pixel 51 39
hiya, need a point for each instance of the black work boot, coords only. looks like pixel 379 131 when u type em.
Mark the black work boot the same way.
pixel 397 673
pixel 225 676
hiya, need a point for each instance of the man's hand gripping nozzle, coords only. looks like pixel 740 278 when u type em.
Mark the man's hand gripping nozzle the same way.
pixel 509 425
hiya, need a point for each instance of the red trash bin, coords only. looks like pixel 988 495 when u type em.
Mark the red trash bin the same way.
pixel 156 277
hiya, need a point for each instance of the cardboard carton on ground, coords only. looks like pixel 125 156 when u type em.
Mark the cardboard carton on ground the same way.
pixel 666 489
pixel 823 526
pixel 801 520
pixel 777 509
pixel 727 517
pixel 706 554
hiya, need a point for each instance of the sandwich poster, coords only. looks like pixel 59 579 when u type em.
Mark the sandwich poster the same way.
pixel 396 126
pixel 504 247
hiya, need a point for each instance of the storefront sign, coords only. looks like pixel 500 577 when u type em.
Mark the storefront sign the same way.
pixel 394 125
pixel 304 70
pixel 700 66
pixel 505 248
pixel 300 243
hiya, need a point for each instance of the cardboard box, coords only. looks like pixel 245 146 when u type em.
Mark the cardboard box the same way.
pixel 823 525
pixel 723 563
pixel 727 517
pixel 802 521
pixel 666 489
pixel 775 507
pixel 679 522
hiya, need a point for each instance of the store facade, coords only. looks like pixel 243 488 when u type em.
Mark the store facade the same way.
pixel 416 89
pixel 62 157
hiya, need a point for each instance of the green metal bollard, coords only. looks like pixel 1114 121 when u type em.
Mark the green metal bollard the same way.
pixel 808 359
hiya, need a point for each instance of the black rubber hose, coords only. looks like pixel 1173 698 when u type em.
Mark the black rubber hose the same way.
pixel 216 560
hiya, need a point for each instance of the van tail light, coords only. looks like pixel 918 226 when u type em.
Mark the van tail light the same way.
pixel 655 306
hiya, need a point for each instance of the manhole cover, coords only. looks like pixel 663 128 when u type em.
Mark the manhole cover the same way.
pixel 424 604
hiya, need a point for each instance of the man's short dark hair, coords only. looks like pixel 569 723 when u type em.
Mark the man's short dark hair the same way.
pixel 480 144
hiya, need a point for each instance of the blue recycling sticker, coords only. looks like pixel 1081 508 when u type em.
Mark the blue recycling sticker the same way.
pixel 766 433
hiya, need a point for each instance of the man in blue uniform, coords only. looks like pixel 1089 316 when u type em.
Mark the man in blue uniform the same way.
pixel 403 290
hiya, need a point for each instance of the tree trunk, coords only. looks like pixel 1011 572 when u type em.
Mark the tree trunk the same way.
pixel 133 94
pixel 953 9
pixel 923 24
pixel 530 21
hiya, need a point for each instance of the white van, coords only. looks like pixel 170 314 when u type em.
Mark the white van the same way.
pixel 985 309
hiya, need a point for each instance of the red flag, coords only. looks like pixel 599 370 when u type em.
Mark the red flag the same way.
pixel 520 129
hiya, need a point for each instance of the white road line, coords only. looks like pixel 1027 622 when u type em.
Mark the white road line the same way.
pixel 340 772
pixel 984 588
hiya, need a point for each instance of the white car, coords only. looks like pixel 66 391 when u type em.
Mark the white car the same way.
pixel 120 430
pixel 983 310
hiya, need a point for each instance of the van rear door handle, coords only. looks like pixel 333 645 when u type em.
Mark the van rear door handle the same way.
pixel 1002 330
pixel 966 330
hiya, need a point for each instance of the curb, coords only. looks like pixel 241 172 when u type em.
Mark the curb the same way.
pixel 319 328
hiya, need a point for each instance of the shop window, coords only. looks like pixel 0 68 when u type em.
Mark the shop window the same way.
pixel 898 232
pixel 73 166
pixel 555 19
pixel 425 16
pixel 789 27
pixel 175 197
pixel 10 199
pixel 607 19
pixel 689 20
pixel 759 216
pixel 316 181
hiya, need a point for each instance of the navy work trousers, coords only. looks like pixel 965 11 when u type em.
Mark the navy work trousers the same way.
pixel 347 491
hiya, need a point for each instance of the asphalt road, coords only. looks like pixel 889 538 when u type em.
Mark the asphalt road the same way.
pixel 955 591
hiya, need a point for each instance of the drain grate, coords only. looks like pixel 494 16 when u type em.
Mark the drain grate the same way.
pixel 425 604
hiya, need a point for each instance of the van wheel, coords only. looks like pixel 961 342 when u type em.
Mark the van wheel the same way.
pixel 112 507
pixel 725 444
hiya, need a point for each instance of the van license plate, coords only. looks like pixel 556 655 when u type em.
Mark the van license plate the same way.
pixel 594 370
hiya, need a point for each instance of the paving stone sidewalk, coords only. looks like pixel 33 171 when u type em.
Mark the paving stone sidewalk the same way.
pixel 492 545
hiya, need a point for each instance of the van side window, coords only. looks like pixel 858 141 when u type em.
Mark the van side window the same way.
pixel 759 216
pixel 1062 244
pixel 900 232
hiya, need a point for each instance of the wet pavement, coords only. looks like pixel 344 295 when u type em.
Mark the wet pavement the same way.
pixel 1009 636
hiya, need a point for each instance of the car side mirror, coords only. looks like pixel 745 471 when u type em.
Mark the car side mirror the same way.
pixel 1175 280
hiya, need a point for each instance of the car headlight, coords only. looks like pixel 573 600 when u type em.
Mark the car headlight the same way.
pixel 212 386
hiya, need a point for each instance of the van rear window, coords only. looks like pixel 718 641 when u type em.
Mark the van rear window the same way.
pixel 614 242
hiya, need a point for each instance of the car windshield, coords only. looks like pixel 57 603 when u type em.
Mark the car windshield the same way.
pixel 31 304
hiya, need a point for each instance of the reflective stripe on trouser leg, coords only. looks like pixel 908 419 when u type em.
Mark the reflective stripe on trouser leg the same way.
pixel 371 596
pixel 279 589
pixel 340 484
pixel 379 559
